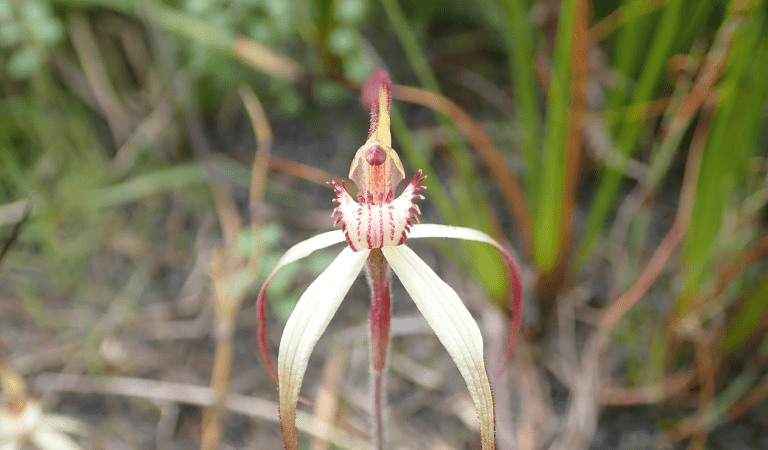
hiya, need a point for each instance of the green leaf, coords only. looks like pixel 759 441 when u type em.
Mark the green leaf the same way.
pixel 748 317
pixel 549 203
pixel 24 62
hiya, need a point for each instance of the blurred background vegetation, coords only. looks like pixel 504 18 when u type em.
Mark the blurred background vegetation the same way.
pixel 157 157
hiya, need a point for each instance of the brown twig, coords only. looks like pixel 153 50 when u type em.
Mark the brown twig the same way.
pixel 701 421
pixel 697 424
pixel 706 365
pixel 751 400
pixel 714 65
pixel 265 59
pixel 297 170
pixel 150 128
pixel 120 122
pixel 653 269
pixel 730 270
pixel 607 25
pixel 225 264
pixel 643 395
pixel 259 172
pixel 194 395
pixel 579 71
pixel 612 21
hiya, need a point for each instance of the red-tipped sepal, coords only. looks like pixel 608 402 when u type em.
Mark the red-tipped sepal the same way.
pixel 377 81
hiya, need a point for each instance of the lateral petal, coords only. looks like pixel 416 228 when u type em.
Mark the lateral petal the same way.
pixel 298 251
pixel 309 319
pixel 469 234
pixel 453 325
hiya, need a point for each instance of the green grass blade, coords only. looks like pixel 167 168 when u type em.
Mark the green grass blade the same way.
pixel 147 184
pixel 550 199
pixel 653 68
pixel 629 49
pixel 518 36
pixel 749 316
pixel 743 94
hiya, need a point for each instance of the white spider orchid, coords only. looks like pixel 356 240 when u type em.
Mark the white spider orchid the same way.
pixel 375 229
pixel 23 424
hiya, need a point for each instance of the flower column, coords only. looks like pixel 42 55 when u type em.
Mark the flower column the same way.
pixel 378 274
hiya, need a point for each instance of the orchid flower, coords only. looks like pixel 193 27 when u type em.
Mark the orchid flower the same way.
pixel 375 228
pixel 23 423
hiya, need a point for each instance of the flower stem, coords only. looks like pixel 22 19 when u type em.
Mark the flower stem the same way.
pixel 378 274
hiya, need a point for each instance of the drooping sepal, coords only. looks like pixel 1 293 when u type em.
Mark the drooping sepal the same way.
pixel 308 321
pixel 295 253
pixel 377 96
pixel 454 327
pixel 377 220
pixel 446 231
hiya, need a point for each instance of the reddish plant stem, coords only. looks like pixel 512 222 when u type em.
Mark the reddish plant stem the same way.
pixel 378 274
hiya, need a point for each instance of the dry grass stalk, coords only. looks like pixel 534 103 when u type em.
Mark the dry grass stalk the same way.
pixel 226 265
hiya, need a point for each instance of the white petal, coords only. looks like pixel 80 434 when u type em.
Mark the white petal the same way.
pixel 53 440
pixel 446 231
pixel 309 319
pixel 298 251
pixel 453 325
pixel 305 248
pixel 431 230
